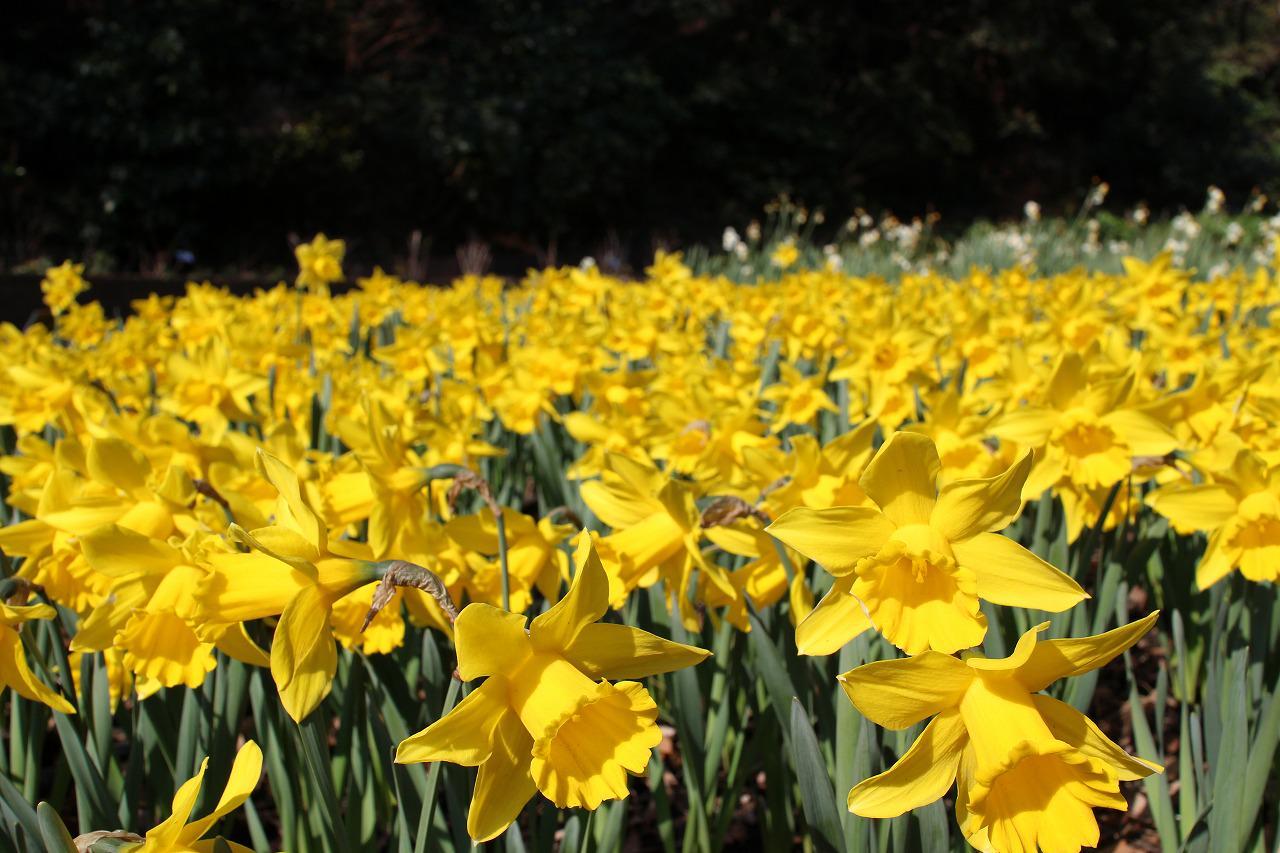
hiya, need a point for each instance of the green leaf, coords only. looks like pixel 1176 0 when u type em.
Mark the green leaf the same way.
pixel 817 798
pixel 16 810
pixel 1156 785
pixel 53 832
pixel 1261 765
pixel 433 777
pixel 91 792
pixel 315 749
pixel 935 823
pixel 773 672
pixel 1225 821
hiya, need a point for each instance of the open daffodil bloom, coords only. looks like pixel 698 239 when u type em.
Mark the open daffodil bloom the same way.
pixel 1029 768
pixel 1240 511
pixel 547 718
pixel 916 567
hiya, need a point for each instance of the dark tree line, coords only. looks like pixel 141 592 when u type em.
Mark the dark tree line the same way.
pixel 138 129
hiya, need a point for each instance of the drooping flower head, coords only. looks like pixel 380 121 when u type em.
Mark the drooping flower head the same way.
pixel 293 570
pixel 656 534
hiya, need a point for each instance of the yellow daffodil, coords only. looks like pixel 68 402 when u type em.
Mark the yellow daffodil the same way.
pixel 785 254
pixel 150 615
pixel 176 835
pixel 1088 436
pixel 1240 510
pixel 656 534
pixel 62 284
pixel 533 554
pixel 205 387
pixel 798 398
pixel 319 262
pixel 762 582
pixel 1029 769
pixel 813 475
pixel 916 566
pixel 14 672
pixel 547 717
pixel 293 571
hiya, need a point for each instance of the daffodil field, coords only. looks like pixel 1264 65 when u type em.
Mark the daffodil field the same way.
pixel 805 559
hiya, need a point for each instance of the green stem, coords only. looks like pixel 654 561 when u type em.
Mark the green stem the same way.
pixel 316 752
pixel 433 777
pixel 502 560
pixel 585 846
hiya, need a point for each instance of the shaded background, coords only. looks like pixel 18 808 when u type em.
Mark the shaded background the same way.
pixel 134 133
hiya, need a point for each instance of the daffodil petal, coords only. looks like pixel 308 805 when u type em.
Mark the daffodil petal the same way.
pixel 612 651
pixel 292 509
pixel 235 642
pixel 165 835
pixel 116 463
pixel 477 532
pixel 838 618
pixel 1191 508
pixel 642 478
pixel 26 538
pixel 902 478
pixel 246 770
pixel 211 846
pixel 489 640
pixel 968 507
pixel 1145 435
pixel 735 540
pixel 1215 563
pixel 463 736
pixel 835 538
pixel 1054 659
pixel 1027 427
pixel 119 552
pixel 15 673
pixel 615 505
pixel 922 775
pixel 584 603
pixel 304 654
pixel 800 597
pixel 283 543
pixel 244 587
pixel 902 692
pixel 843 451
pixel 504 783
pixel 16 614
pixel 1070 726
pixel 1021 653
pixel 1068 379
pixel 1010 575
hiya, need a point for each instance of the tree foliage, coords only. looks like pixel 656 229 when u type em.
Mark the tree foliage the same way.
pixel 136 129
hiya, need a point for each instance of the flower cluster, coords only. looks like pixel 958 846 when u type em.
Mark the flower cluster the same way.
pixel 221 477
